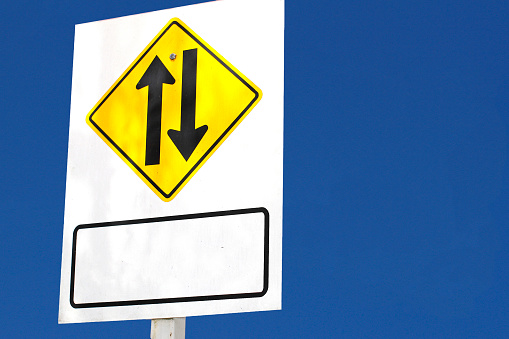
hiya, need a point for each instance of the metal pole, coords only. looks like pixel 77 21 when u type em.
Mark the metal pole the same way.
pixel 173 328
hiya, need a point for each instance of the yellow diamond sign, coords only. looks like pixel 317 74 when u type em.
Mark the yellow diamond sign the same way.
pixel 172 108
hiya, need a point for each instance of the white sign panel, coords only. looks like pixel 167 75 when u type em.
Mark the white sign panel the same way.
pixel 175 165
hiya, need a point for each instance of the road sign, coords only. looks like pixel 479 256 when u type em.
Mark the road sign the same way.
pixel 177 96
pixel 172 108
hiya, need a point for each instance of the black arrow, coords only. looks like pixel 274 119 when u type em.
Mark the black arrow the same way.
pixel 154 77
pixel 187 139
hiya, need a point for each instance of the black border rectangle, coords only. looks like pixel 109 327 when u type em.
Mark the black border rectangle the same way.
pixel 180 299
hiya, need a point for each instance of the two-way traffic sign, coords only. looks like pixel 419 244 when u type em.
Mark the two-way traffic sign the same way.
pixel 174 98
pixel 172 108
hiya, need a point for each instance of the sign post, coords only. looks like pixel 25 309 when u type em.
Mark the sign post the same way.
pixel 174 180
pixel 174 328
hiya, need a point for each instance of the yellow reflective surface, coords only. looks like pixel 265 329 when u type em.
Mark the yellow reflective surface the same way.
pixel 224 97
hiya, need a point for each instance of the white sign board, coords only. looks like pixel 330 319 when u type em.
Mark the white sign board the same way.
pixel 174 180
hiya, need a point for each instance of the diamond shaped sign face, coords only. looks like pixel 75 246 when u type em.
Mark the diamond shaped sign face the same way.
pixel 172 108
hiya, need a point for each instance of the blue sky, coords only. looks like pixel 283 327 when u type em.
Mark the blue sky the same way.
pixel 396 187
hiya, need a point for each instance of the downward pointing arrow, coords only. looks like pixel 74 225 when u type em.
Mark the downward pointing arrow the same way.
pixel 154 77
pixel 187 139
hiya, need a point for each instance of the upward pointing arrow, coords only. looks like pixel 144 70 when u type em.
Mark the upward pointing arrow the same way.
pixel 154 77
pixel 187 139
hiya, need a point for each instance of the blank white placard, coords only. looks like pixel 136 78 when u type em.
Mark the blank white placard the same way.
pixel 220 255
